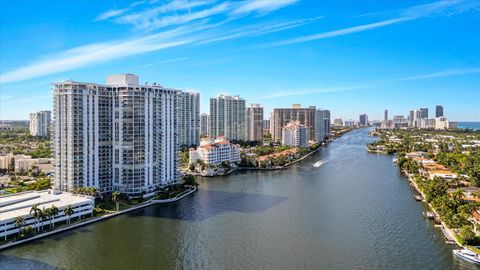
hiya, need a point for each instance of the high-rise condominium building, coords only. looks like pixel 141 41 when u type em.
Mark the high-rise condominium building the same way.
pixel 363 120
pixel 423 112
pixel 227 117
pixel 118 136
pixel 439 111
pixel 254 123
pixel 338 122
pixel 281 117
pixel 189 120
pixel 296 135
pixel 40 123
pixel 322 124
pixel 204 119
pixel 385 116
pixel 411 118
pixel 266 124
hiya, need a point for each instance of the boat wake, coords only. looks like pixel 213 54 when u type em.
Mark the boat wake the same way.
pixel 319 163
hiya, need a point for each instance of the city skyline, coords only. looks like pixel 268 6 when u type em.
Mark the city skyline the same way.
pixel 274 53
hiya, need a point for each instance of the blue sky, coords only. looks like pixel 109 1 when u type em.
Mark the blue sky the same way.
pixel 351 57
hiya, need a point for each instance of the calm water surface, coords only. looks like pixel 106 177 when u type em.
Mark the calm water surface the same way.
pixel 354 212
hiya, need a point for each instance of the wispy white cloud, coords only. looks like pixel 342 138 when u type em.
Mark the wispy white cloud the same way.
pixel 255 30
pixel 169 61
pixel 448 7
pixel 177 12
pixel 261 6
pixel 340 32
pixel 98 53
pixel 110 14
pixel 440 74
pixel 79 57
pixel 297 92
pixel 154 18
pixel 371 84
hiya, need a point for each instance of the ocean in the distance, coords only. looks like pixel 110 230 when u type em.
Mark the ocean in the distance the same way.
pixel 469 125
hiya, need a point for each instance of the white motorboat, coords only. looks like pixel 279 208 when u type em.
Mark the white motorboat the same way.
pixel 467 255
pixel 319 163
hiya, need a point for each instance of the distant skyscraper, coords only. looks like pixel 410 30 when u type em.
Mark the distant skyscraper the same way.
pixel 266 124
pixel 423 112
pixel 439 111
pixel 411 118
pixel 204 119
pixel 385 115
pixel 338 122
pixel 349 123
pixel 189 118
pixel 254 123
pixel 322 124
pixel 363 120
pixel 282 116
pixel 227 117
pixel 40 123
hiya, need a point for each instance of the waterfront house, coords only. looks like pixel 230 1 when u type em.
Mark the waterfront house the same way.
pixel 414 154
pixel 267 160
pixel 213 154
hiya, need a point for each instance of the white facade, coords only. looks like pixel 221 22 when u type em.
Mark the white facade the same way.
pixel 296 135
pixel 120 137
pixel 215 152
pixel 254 123
pixel 425 123
pixel 443 123
pixel 227 117
pixel 338 122
pixel 20 204
pixel 189 108
pixel 40 123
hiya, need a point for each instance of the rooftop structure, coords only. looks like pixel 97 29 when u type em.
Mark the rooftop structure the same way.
pixel 215 152
pixel 20 204
pixel 296 135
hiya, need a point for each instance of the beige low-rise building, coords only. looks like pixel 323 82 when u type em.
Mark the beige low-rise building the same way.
pixel 10 159
pixel 25 163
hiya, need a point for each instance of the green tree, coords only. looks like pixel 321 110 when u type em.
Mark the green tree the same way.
pixel 466 233
pixel 53 212
pixel 35 212
pixel 19 222
pixel 115 197
pixel 68 211
pixel 189 180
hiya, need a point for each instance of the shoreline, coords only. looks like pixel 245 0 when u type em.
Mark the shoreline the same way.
pixel 278 167
pixel 448 233
pixel 96 219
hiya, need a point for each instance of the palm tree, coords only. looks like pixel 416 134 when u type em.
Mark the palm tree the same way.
pixel 53 213
pixel 43 216
pixel 19 222
pixel 35 212
pixel 68 211
pixel 115 197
